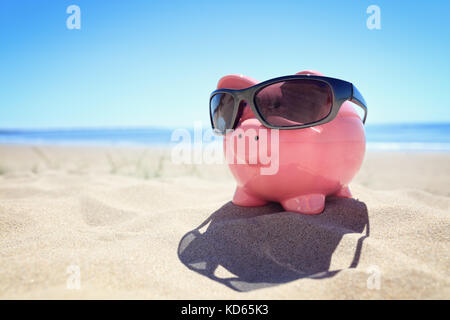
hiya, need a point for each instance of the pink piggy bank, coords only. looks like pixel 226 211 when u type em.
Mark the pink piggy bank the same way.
pixel 308 164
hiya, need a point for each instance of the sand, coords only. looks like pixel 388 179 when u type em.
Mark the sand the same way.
pixel 115 222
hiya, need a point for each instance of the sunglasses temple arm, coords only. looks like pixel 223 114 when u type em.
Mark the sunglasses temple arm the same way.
pixel 358 99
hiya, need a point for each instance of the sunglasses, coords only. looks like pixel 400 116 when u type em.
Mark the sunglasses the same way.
pixel 289 102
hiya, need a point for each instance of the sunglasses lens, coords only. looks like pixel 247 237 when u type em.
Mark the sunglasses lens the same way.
pixel 294 102
pixel 221 108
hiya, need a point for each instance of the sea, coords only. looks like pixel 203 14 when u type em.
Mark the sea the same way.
pixel 388 137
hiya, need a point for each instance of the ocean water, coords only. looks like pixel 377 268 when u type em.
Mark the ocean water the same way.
pixel 421 137
pixel 88 136
pixel 391 137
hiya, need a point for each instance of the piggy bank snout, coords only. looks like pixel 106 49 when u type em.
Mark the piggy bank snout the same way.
pixel 245 142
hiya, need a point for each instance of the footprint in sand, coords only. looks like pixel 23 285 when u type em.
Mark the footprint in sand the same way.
pixel 96 213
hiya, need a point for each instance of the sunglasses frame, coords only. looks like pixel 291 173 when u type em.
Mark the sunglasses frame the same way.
pixel 341 91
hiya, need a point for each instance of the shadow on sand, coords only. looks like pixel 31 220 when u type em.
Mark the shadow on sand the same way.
pixel 266 246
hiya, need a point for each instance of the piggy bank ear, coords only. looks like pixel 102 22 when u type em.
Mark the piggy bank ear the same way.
pixel 317 73
pixel 236 81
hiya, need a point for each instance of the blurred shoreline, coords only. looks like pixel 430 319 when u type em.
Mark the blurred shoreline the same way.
pixel 380 137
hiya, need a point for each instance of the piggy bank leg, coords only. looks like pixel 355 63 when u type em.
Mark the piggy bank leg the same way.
pixel 307 204
pixel 244 199
pixel 344 192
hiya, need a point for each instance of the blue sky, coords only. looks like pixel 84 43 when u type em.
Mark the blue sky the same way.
pixel 154 63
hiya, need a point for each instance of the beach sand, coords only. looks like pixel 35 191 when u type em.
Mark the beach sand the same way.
pixel 127 223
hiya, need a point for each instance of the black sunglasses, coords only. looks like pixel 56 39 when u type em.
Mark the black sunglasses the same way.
pixel 290 102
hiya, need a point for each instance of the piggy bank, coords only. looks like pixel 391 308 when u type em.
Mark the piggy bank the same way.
pixel 308 165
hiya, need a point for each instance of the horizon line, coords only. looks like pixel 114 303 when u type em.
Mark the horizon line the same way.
pixel 146 127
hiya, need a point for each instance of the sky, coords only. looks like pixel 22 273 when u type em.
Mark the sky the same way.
pixel 154 63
